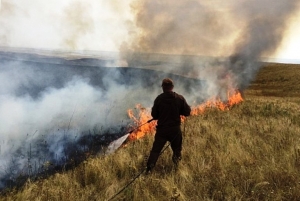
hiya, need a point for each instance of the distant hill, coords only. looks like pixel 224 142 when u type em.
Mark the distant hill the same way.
pixel 60 70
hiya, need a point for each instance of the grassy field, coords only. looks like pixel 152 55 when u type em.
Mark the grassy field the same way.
pixel 251 152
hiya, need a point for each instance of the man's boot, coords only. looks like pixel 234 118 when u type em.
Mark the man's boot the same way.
pixel 176 160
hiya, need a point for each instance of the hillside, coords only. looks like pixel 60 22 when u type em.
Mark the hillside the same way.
pixel 250 152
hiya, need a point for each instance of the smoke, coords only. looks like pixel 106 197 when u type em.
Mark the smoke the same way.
pixel 188 27
pixel 52 108
pixel 41 113
pixel 77 22
pixel 243 31
pixel 68 25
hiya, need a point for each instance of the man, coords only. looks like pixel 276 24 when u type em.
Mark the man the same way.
pixel 167 109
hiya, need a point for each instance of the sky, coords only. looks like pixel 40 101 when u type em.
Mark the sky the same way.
pixel 102 25
pixel 290 48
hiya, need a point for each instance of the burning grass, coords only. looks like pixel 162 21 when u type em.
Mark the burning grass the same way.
pixel 141 115
pixel 250 152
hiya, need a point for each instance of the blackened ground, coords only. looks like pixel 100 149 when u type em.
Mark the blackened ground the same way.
pixel 89 145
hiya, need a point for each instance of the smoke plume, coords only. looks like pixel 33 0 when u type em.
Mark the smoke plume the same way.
pixel 46 108
pixel 243 31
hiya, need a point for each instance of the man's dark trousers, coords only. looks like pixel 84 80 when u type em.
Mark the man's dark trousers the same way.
pixel 173 135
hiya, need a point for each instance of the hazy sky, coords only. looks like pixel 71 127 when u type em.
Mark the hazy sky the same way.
pixel 98 25
pixel 290 48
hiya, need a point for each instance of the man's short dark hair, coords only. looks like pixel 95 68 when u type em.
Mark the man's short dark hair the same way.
pixel 167 82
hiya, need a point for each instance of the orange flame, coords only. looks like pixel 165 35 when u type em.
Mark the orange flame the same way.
pixel 142 115
pixel 233 97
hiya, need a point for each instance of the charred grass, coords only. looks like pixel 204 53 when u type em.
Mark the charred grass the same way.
pixel 251 152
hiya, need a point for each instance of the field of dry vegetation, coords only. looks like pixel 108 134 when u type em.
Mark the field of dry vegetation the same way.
pixel 251 152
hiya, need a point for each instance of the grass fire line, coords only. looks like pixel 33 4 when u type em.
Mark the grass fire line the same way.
pixel 234 97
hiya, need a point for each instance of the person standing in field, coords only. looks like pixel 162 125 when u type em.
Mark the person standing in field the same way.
pixel 167 109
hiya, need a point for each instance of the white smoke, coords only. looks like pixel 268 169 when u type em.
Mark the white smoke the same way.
pixel 243 31
pixel 44 108
pixel 66 25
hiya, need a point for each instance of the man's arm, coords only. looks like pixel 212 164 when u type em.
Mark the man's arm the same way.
pixel 186 109
pixel 154 111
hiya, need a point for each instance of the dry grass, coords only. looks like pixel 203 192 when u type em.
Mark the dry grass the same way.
pixel 251 152
pixel 281 80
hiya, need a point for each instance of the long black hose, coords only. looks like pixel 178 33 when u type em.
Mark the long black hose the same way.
pixel 143 170
pixel 140 125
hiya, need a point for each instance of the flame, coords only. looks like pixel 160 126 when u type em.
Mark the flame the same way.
pixel 234 97
pixel 141 115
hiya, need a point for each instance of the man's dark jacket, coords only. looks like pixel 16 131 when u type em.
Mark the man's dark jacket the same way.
pixel 167 109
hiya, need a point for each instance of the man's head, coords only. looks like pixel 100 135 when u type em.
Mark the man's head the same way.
pixel 167 84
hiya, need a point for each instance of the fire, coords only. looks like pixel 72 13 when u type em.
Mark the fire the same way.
pixel 142 115
pixel 233 97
